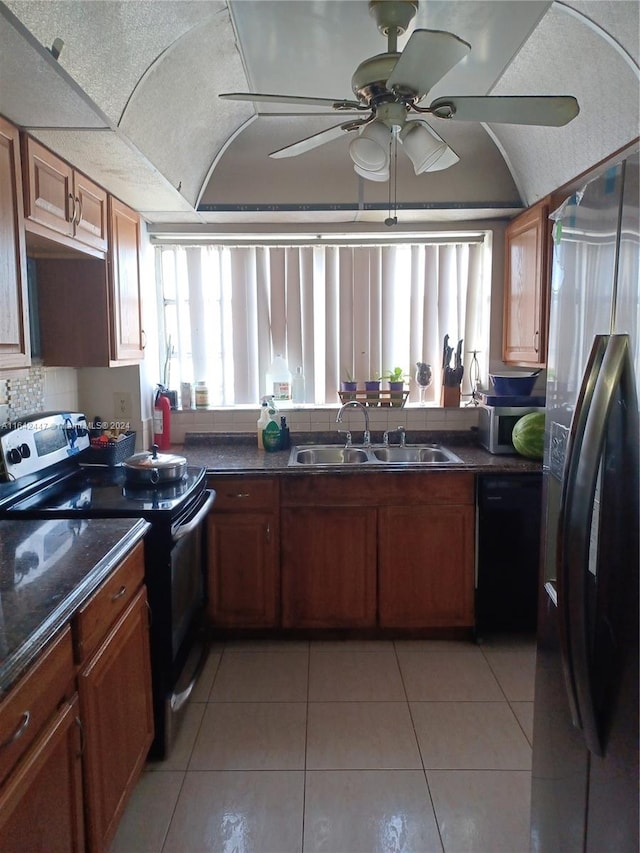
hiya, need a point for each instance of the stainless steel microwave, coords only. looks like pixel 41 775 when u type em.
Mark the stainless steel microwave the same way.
pixel 496 425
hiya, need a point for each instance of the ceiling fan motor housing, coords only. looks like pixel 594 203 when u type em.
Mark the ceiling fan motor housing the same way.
pixel 369 81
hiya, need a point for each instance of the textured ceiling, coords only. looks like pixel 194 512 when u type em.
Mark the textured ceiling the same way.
pixel 140 78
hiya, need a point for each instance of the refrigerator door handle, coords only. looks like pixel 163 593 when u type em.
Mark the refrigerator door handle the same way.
pixel 565 595
pixel 582 475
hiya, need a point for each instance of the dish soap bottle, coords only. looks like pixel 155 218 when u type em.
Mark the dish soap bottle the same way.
pixel 271 435
pixel 263 420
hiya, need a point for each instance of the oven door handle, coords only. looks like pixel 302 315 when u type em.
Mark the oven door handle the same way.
pixel 185 529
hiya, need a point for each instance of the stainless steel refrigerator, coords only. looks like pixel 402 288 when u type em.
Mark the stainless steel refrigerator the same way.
pixel 585 740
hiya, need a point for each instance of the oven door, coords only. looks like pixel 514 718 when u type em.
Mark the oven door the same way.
pixel 187 571
pixel 187 598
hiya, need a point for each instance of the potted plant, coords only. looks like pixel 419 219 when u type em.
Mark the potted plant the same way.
pixel 372 388
pixel 348 386
pixel 396 379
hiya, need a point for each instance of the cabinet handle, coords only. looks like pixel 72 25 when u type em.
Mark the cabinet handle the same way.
pixel 143 339
pixel 78 215
pixel 82 737
pixel 20 730
pixel 119 593
pixel 268 532
pixel 72 217
pixel 536 341
pixel 240 495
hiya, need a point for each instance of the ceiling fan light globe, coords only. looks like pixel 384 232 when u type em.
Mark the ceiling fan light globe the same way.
pixel 423 147
pixel 380 175
pixel 370 149
pixel 447 159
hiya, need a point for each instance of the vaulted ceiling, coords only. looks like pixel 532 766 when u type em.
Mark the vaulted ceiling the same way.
pixel 133 101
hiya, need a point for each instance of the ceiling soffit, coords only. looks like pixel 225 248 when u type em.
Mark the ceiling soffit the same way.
pixel 561 58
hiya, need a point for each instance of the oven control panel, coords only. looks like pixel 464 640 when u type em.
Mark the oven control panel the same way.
pixel 33 444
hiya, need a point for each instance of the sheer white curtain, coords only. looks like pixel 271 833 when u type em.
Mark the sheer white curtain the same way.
pixel 329 309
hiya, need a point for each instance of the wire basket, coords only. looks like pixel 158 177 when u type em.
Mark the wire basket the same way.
pixel 109 453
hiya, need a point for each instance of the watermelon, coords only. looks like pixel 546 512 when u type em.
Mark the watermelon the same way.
pixel 528 435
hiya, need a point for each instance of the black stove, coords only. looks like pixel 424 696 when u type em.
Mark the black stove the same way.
pixel 95 492
pixel 44 478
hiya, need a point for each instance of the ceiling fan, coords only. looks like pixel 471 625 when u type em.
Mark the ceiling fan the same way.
pixel 390 86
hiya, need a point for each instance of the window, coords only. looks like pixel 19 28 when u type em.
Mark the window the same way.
pixel 331 309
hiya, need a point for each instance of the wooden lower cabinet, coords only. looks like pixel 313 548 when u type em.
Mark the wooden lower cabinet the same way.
pixel 426 566
pixel 243 572
pixel 328 565
pixel 41 804
pixel 116 709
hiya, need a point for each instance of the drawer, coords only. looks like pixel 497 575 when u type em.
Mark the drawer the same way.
pixel 99 613
pixel 239 493
pixel 34 699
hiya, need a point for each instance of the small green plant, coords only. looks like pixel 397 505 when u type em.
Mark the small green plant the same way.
pixel 395 375
pixel 348 376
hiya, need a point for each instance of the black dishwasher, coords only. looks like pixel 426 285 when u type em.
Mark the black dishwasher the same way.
pixel 508 552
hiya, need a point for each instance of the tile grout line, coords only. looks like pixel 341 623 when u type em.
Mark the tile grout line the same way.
pixel 184 772
pixel 415 734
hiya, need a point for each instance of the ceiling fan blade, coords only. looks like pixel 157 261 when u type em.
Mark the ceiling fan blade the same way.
pixel 336 104
pixel 427 57
pixel 317 139
pixel 548 111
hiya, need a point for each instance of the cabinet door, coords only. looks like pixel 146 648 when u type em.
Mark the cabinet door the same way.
pixel 426 566
pixel 14 317
pixel 526 281
pixel 49 190
pixel 126 307
pixel 90 214
pixel 328 567
pixel 117 715
pixel 243 570
pixel 41 803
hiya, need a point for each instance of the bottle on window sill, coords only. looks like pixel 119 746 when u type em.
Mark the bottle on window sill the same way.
pixel 298 386
pixel 202 395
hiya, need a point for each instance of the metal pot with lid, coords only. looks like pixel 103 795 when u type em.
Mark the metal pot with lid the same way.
pixel 153 468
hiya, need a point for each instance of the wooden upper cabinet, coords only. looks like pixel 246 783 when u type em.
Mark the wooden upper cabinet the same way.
pixel 126 302
pixel 104 327
pixel 90 213
pixel 61 200
pixel 15 348
pixel 527 271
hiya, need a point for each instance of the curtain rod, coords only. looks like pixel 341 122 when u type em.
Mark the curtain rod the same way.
pixel 325 240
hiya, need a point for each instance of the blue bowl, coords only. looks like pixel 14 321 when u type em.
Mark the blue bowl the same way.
pixel 507 385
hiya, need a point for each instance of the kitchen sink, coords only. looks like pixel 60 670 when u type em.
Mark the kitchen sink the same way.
pixel 335 454
pixel 430 453
pixel 329 455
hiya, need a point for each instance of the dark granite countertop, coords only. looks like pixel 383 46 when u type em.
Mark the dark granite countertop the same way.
pixel 228 453
pixel 47 570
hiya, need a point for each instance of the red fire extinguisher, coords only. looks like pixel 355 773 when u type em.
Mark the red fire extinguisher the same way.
pixel 161 420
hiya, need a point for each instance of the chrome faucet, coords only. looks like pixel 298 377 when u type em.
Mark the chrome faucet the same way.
pixel 366 441
pixel 403 436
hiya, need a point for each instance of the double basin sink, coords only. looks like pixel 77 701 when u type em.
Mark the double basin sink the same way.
pixel 335 454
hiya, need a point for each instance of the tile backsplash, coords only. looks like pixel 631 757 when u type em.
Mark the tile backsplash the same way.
pixel 310 419
pixel 39 389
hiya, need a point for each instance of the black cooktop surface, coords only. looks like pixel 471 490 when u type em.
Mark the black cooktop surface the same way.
pixel 105 493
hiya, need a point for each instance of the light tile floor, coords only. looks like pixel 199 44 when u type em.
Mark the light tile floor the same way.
pixel 346 747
